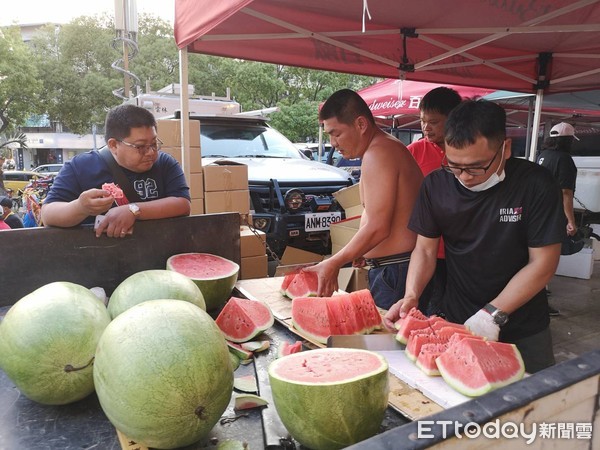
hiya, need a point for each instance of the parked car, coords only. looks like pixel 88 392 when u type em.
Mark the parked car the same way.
pixel 331 156
pixel 18 179
pixel 290 196
pixel 48 169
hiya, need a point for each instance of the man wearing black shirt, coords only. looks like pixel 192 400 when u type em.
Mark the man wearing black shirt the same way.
pixel 502 223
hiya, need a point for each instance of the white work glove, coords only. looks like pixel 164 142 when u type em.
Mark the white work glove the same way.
pixel 482 323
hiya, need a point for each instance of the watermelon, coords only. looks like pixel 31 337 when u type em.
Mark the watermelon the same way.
pixel 330 398
pixel 163 373
pixel 416 340
pixel 214 275
pixel 242 319
pixel 153 285
pixel 285 348
pixel 317 318
pixel 239 352
pixel 427 356
pixel 48 340
pixel 475 367
pixel 300 284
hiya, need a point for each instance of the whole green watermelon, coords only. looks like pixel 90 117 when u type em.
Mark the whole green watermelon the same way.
pixel 163 373
pixel 153 285
pixel 48 340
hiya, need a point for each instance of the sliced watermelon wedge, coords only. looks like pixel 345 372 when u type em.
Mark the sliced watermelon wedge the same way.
pixel 300 284
pixel 242 319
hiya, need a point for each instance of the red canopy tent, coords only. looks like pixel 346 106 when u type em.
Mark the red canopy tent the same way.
pixel 526 46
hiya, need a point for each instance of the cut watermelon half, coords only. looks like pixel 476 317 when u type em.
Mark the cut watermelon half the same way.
pixel 475 367
pixel 214 275
pixel 242 319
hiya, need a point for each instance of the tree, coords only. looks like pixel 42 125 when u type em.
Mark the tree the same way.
pixel 298 122
pixel 6 152
pixel 19 84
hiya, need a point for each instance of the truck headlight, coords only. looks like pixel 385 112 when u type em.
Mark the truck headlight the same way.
pixel 294 198
pixel 262 223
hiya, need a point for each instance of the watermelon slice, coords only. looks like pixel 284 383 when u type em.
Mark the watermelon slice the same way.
pixel 475 367
pixel 409 324
pixel 116 192
pixel 214 275
pixel 317 318
pixel 417 339
pixel 330 398
pixel 427 357
pixel 285 348
pixel 442 323
pixel 242 319
pixel 300 284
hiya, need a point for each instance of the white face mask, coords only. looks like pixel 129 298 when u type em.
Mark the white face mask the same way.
pixel 490 182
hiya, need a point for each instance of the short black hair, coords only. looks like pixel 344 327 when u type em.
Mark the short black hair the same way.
pixel 121 119
pixel 441 100
pixel 473 119
pixel 346 105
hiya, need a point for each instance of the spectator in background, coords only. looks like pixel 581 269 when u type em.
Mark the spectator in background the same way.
pixel 556 157
pixel 429 153
pixel 8 215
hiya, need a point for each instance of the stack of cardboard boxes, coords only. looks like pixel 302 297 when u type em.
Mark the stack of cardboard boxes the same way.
pixel 341 232
pixel 253 252
pixel 226 188
pixel 169 132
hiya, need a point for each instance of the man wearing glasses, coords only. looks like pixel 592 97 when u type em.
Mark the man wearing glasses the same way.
pixel 76 196
pixel 502 223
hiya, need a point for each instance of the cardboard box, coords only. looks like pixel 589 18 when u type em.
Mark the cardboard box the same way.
pixel 195 157
pixel 252 243
pixel 197 206
pixel 227 201
pixel 225 176
pixel 254 267
pixel 578 265
pixel 352 279
pixel 169 132
pixel 196 185
pixel 342 232
pixel 349 199
pixel 293 255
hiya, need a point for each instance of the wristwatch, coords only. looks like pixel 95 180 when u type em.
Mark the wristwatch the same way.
pixel 499 316
pixel 135 209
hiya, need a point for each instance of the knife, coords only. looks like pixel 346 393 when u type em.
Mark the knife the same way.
pixel 292 268
pixel 373 342
pixel 275 434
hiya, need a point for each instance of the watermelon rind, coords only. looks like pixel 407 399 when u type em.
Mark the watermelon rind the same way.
pixel 217 289
pixel 300 284
pixel 48 340
pixel 163 374
pixel 330 414
pixel 475 367
pixel 153 284
pixel 242 319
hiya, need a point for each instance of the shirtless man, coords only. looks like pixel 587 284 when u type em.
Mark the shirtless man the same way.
pixel 390 182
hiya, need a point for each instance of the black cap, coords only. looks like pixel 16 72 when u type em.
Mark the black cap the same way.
pixel 5 201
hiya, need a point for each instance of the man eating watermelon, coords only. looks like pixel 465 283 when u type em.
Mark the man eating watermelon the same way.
pixel 85 186
pixel 502 222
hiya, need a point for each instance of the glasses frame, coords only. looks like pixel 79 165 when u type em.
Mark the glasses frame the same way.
pixel 473 171
pixel 143 149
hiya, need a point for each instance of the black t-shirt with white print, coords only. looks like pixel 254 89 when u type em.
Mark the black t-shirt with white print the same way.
pixel 487 235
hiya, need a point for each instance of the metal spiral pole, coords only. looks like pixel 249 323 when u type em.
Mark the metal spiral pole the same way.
pixel 126 29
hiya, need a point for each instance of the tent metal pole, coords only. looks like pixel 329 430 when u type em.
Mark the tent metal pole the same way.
pixel 185 116
pixel 529 125
pixel 539 97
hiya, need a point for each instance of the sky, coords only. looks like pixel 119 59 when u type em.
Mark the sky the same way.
pixel 63 11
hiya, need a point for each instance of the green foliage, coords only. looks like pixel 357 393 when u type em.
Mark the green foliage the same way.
pixel 66 73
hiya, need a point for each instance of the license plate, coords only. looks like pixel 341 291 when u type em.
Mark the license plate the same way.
pixel 321 221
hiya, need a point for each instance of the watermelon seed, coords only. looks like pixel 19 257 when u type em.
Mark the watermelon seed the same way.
pixel 199 411
pixel 70 368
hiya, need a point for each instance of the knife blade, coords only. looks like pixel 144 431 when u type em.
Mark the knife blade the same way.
pixel 373 342
pixel 292 268
pixel 275 434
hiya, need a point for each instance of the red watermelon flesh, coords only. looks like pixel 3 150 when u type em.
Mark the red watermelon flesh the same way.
pixel 448 332
pixel 414 313
pixel 366 309
pixel 341 318
pixel 426 361
pixel 285 348
pixel 300 284
pixel 242 319
pixel 475 367
pixel 409 324
pixel 311 317
pixel 442 323
pixel 416 341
